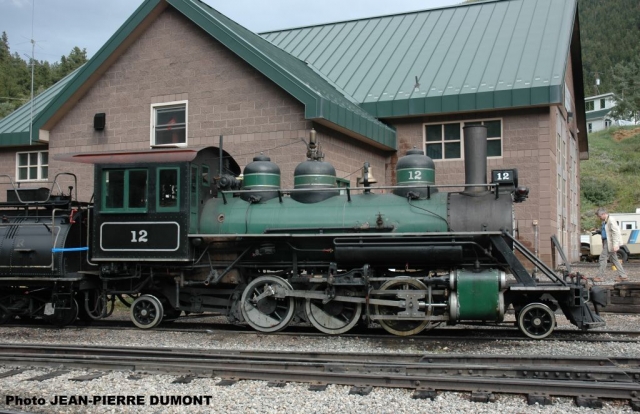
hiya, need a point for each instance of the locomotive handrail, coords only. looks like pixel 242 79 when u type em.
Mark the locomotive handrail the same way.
pixel 382 187
pixel 366 190
pixel 533 259
pixel 54 183
pixel 270 235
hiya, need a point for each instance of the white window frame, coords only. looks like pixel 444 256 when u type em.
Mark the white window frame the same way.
pixel 628 225
pixel 39 166
pixel 462 124
pixel 162 105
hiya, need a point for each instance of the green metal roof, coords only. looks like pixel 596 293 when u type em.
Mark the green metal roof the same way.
pixel 14 128
pixel 601 113
pixel 474 56
pixel 323 103
pixel 321 99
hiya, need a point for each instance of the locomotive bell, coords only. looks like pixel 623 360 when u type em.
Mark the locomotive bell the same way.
pixel 367 176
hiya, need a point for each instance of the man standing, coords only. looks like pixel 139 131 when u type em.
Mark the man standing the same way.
pixel 611 242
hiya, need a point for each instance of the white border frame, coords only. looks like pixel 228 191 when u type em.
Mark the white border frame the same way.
pixel 462 122
pixel 125 223
pixel 40 165
pixel 152 123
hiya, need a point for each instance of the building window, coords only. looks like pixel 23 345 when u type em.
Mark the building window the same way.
pixel 124 190
pixel 589 106
pixel 169 124
pixel 32 166
pixel 602 103
pixel 444 141
pixel 590 127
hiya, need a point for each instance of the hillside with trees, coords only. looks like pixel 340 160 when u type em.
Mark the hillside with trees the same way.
pixel 609 31
pixel 15 75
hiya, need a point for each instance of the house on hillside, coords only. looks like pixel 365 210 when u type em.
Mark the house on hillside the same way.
pixel 372 88
pixel 598 111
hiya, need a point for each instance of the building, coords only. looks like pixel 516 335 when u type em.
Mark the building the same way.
pixel 597 111
pixel 180 73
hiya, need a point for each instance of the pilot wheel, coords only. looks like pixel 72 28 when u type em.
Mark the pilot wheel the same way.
pixel 146 312
pixel 536 321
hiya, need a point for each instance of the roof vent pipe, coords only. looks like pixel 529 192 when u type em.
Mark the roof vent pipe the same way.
pixel 475 157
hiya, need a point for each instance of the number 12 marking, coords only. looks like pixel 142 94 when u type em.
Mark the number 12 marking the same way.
pixel 142 237
pixel 415 175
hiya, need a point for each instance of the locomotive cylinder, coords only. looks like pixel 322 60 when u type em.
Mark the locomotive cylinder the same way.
pixel 477 295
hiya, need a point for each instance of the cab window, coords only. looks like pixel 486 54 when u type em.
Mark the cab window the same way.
pixel 206 179
pixel 124 190
pixel 168 189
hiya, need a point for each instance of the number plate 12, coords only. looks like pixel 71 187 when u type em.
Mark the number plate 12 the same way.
pixel 140 236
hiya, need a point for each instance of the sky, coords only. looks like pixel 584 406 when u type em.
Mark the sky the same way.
pixel 60 25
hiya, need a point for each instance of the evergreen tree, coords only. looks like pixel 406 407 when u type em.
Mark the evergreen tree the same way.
pixel 15 75
pixel 609 33
pixel 626 88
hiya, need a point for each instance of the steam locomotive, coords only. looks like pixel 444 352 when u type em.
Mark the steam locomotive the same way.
pixel 181 232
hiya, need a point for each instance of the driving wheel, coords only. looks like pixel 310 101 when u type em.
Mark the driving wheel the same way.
pixel 63 317
pixel 400 327
pixel 334 317
pixel 261 310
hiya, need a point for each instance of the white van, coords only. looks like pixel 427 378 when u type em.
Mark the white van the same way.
pixel 629 225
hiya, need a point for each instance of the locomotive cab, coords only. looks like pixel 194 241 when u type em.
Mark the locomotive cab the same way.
pixel 147 202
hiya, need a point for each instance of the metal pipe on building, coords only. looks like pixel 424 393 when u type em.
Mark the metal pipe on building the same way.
pixel 536 242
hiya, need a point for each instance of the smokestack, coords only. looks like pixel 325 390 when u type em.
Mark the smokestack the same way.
pixel 475 157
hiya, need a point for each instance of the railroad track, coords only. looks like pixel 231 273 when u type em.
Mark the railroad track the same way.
pixel 587 379
pixel 503 332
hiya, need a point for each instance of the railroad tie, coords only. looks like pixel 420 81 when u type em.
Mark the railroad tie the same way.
pixel 48 376
pixel 12 373
pixel 88 377
pixel 540 399
pixel 588 402
pixel 364 390
pixel 424 393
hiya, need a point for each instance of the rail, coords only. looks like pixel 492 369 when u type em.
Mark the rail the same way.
pixel 615 378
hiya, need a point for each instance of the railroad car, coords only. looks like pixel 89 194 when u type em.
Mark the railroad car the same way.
pixel 182 231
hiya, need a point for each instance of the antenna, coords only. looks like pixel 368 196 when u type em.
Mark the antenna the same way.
pixel 33 64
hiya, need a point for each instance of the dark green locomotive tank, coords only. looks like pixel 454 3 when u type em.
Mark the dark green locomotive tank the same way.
pixel 379 213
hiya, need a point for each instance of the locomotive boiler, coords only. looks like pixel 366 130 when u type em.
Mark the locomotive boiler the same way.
pixel 178 230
